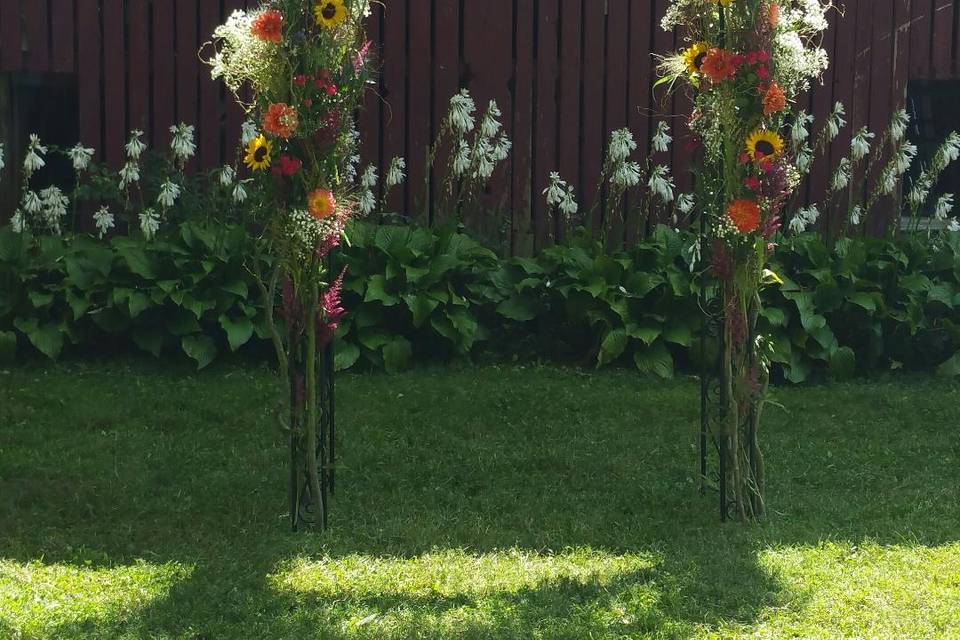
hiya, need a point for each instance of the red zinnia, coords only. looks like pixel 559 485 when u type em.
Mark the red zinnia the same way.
pixel 287 166
pixel 745 215
pixel 280 120
pixel 718 65
pixel 269 26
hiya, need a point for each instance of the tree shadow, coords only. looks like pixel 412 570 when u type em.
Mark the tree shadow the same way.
pixel 425 471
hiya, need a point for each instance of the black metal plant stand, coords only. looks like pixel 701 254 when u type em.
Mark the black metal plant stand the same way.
pixel 714 444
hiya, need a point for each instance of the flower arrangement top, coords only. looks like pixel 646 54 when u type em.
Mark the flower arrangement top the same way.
pixel 745 64
pixel 300 69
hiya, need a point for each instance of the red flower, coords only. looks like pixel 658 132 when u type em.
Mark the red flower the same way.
pixel 280 120
pixel 774 100
pixel 324 83
pixel 331 312
pixel 360 61
pixel 763 73
pixel 763 56
pixel 745 215
pixel 287 166
pixel 268 26
pixel 718 65
pixel 752 183
pixel 300 80
pixel 308 102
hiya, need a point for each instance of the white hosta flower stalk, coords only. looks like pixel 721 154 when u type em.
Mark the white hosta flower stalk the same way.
pixel 135 146
pixel 568 205
pixel 501 150
pixel 227 175
pixel 953 226
pixel 368 202
pixel 860 145
pixel 904 158
pixel 856 215
pixel 395 174
pixel 239 193
pixel 685 203
pixel 149 223
pixel 80 157
pixel 626 175
pixel 804 219
pixel 662 138
pixel 34 161
pixel 462 108
pixel 799 132
pixel 622 145
pixel 661 183
pixel 483 161
pixel 32 203
pixel 490 126
pixel 555 190
pixel 944 207
pixel 182 144
pixel 696 254
pixel 2 161
pixel 899 124
pixel 920 192
pixel 804 160
pixel 461 160
pixel 841 177
pixel 836 121
pixel 103 220
pixel 248 132
pixel 169 192
pixel 129 174
pixel 369 178
pixel 18 222
pixel 55 205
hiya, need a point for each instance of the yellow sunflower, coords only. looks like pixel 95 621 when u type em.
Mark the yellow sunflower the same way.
pixel 764 144
pixel 693 57
pixel 330 13
pixel 258 154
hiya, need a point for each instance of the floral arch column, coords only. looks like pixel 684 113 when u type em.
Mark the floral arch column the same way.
pixel 746 63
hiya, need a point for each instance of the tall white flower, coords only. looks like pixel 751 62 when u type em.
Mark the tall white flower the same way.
pixel 135 146
pixel 248 132
pixel 18 222
pixel 860 144
pixel 686 202
pixel 944 207
pixel 856 214
pixel 2 163
pixel 149 223
pixel 662 138
pixel 661 183
pixel 695 253
pixel 129 174
pixel 350 171
pixel 461 159
pixel 182 144
pixel 904 157
pixel 622 145
pixel 169 192
pixel 462 108
pixel 501 150
pixel 841 177
pixel 555 190
pixel 368 202
pixel 490 126
pixel 954 225
pixel 55 205
pixel 626 175
pixel 239 193
pixel 395 173
pixel 920 191
pixel 227 175
pixel 804 160
pixel 836 121
pixel 899 124
pixel 483 160
pixel 35 152
pixel 804 218
pixel 568 205
pixel 103 220
pixel 369 177
pixel 80 156
pixel 32 203
pixel 799 132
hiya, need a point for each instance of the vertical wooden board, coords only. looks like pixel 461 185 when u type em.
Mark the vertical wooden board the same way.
pixel 88 74
pixel 882 64
pixel 842 80
pixel 523 211
pixel 370 122
pixel 571 13
pixel 35 14
pixel 488 66
pixel 395 95
pixel 62 36
pixel 164 69
pixel 663 103
pixel 234 113
pixel 11 53
pixel 618 24
pixel 822 102
pixel 138 64
pixel 419 100
pixel 187 64
pixel 114 82
pixel 859 111
pixel 921 37
pixel 210 125
pixel 545 116
pixel 901 53
pixel 943 33
pixel 592 105
pixel 642 26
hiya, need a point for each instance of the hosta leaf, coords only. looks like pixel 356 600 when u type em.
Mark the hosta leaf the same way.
pixel 238 331
pixel 420 306
pixel 345 355
pixel 200 348
pixel 377 292
pixel 843 364
pixel 397 354
pixel 655 359
pixel 612 347
pixel 47 338
pixel 521 308
pixel 149 339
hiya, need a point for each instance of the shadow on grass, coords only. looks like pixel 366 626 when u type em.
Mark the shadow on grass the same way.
pixel 474 462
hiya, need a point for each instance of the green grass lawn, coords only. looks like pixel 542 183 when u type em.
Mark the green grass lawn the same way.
pixel 138 501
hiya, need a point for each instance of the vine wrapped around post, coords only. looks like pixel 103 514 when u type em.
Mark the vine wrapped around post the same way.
pixel 744 66
pixel 300 70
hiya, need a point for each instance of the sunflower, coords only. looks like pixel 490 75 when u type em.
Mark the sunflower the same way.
pixel 258 154
pixel 693 57
pixel 330 13
pixel 745 215
pixel 764 144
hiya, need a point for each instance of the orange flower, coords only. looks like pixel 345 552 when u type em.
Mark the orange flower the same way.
pixel 280 120
pixel 321 204
pixel 773 100
pixel 269 26
pixel 773 14
pixel 718 65
pixel 745 215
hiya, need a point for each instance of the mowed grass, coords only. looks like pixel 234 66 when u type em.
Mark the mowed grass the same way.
pixel 142 501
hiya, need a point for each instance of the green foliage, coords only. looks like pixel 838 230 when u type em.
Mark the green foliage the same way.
pixel 416 294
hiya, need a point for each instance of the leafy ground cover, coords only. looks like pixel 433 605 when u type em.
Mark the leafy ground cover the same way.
pixel 139 501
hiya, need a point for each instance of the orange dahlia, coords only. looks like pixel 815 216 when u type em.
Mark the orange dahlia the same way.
pixel 321 204
pixel 269 26
pixel 745 215
pixel 773 14
pixel 774 100
pixel 718 65
pixel 280 120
